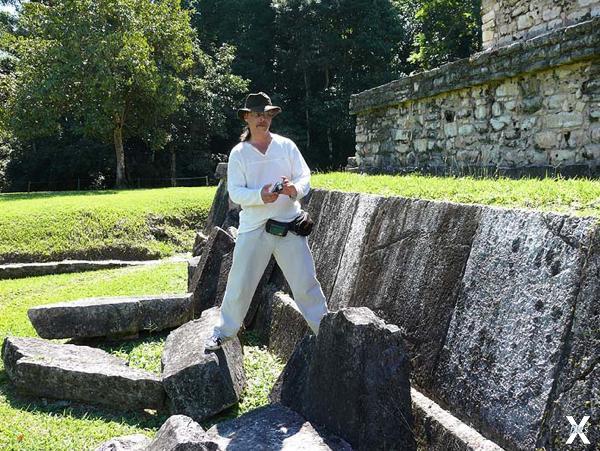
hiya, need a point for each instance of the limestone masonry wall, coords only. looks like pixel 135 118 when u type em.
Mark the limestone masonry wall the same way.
pixel 506 21
pixel 533 104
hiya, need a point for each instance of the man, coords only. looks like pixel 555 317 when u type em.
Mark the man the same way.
pixel 256 164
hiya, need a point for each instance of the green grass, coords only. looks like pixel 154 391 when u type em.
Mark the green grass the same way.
pixel 578 197
pixel 129 224
pixel 37 424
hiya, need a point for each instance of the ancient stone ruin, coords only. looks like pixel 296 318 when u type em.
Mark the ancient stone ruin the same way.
pixel 529 103
pixel 451 327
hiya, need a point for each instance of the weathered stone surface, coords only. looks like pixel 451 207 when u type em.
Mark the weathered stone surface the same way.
pixel 438 430
pixel 218 209
pixel 332 212
pixel 135 442
pixel 181 433
pixel 577 391
pixel 192 266
pixel 358 374
pixel 112 317
pixel 199 243
pixel 201 383
pixel 288 326
pixel 79 373
pixel 506 336
pixel 411 266
pixel 272 428
pixel 279 322
pixel 206 278
pixel 348 268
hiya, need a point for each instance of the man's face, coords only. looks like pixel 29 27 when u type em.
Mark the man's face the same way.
pixel 258 121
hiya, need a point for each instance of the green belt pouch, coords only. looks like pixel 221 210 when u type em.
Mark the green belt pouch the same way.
pixel 277 228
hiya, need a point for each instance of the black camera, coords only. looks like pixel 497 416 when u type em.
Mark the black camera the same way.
pixel 277 187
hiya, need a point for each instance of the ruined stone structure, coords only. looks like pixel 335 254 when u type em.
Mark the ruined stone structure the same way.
pixel 530 102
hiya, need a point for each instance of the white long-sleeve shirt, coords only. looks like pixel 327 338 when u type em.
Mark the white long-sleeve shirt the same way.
pixel 249 170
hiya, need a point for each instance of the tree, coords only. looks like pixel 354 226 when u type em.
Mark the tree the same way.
pixel 448 30
pixel 111 69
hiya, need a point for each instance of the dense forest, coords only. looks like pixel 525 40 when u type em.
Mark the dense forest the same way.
pixel 98 93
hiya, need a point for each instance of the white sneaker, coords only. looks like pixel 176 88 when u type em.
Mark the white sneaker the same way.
pixel 215 342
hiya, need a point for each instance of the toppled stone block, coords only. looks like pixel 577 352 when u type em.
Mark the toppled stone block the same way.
pixel 199 243
pixel 272 428
pixel 79 373
pixel 206 278
pixel 288 326
pixel 134 442
pixel 280 323
pixel 181 433
pixel 507 335
pixel 201 383
pixel 111 317
pixel 356 374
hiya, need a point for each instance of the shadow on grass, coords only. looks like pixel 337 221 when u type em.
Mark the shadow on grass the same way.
pixel 7 197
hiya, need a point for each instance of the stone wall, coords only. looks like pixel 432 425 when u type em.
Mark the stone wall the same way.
pixel 506 21
pixel 533 104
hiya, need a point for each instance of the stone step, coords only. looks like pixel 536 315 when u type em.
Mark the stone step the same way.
pixel 111 317
pixel 79 373
pixel 438 430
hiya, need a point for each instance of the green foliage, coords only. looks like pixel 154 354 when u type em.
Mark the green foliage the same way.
pixel 448 30
pixel 137 224
pixel 97 62
pixel 579 197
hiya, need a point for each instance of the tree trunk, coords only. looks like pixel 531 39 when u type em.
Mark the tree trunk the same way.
pixel 330 144
pixel 173 166
pixel 306 112
pixel 120 153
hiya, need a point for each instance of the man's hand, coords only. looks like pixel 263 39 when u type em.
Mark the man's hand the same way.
pixel 288 188
pixel 266 194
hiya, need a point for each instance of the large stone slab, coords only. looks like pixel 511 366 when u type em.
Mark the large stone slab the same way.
pixel 111 317
pixel 577 391
pixel 181 433
pixel 349 265
pixel 332 212
pixel 199 243
pixel 201 383
pixel 511 321
pixel 410 268
pixel 79 373
pixel 206 278
pixel 272 428
pixel 356 376
pixel 218 208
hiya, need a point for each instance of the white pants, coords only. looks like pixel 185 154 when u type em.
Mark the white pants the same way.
pixel 251 255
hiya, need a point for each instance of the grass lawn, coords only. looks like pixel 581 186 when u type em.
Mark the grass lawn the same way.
pixel 129 224
pixel 154 223
pixel 578 197
pixel 39 424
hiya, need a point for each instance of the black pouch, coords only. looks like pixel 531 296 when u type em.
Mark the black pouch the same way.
pixel 302 225
pixel 277 228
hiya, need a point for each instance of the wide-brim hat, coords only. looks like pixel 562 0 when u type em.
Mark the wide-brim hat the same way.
pixel 258 102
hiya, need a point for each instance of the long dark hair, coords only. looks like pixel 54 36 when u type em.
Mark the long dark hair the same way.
pixel 246 135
